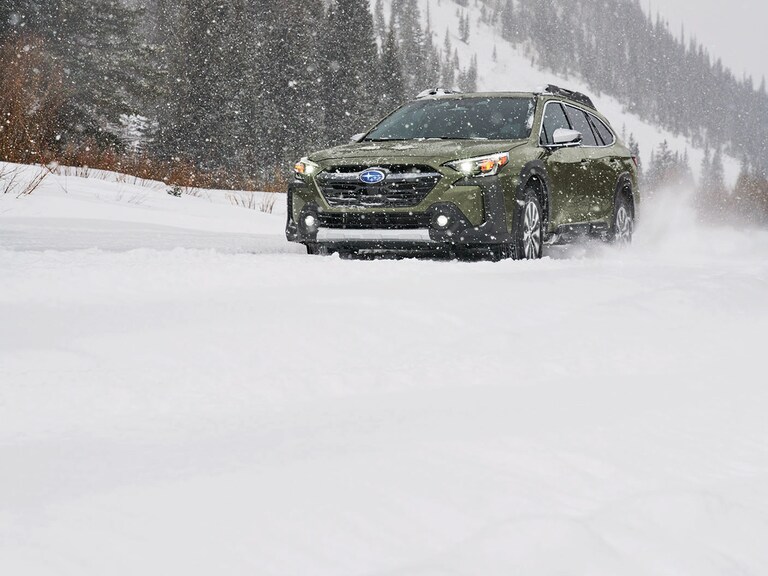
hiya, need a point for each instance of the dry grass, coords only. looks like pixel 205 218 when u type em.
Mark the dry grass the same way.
pixel 268 200
pixel 144 170
pixel 12 183
pixel 8 179
pixel 263 202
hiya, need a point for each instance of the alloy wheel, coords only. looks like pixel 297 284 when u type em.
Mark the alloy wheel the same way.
pixel 532 231
pixel 625 226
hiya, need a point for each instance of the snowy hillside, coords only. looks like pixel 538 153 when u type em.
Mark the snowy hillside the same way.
pixel 234 407
pixel 512 70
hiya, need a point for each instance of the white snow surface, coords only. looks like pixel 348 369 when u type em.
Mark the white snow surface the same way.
pixel 183 392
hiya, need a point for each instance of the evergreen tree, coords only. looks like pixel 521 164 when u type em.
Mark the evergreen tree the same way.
pixel 751 197
pixel 511 23
pixel 97 50
pixel 379 24
pixel 464 27
pixel 663 169
pixel 197 120
pixel 351 64
pixel 468 77
pixel 393 91
pixel 713 195
pixel 412 44
pixel 447 67
pixel 287 98
pixel 431 76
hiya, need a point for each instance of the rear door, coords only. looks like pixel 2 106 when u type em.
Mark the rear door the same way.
pixel 615 165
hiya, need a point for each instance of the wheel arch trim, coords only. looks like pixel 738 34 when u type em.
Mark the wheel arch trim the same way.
pixel 536 170
pixel 624 185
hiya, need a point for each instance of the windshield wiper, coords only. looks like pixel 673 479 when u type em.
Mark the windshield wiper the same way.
pixel 452 138
pixel 423 139
pixel 383 140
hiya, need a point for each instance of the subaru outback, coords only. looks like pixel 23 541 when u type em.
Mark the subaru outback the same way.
pixel 500 174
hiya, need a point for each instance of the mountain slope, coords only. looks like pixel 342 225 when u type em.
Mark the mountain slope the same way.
pixel 512 70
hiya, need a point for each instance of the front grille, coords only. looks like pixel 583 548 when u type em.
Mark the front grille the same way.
pixel 403 187
pixel 374 221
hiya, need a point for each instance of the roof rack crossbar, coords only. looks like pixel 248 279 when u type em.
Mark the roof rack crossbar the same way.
pixel 436 92
pixel 571 95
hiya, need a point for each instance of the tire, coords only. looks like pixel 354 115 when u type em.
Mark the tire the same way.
pixel 529 229
pixel 315 249
pixel 623 226
pixel 500 252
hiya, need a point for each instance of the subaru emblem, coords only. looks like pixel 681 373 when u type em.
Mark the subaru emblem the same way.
pixel 372 176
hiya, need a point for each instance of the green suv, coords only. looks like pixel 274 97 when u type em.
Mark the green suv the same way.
pixel 496 173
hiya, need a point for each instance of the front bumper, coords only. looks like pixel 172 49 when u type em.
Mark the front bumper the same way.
pixel 388 229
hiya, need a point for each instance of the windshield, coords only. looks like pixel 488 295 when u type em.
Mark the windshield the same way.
pixel 508 118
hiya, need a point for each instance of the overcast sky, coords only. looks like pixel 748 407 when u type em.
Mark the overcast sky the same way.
pixel 734 30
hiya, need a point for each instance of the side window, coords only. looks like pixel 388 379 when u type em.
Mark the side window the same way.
pixel 579 122
pixel 604 132
pixel 554 118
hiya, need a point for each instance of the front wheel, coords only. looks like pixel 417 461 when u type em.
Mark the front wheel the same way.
pixel 529 233
pixel 315 249
pixel 623 222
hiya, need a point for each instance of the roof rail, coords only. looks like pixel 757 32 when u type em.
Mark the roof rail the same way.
pixel 436 92
pixel 571 95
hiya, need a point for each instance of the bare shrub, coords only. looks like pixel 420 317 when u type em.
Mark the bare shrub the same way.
pixel 261 201
pixel 244 200
pixel 196 192
pixel 268 200
pixel 8 179
pixel 13 182
pixel 33 183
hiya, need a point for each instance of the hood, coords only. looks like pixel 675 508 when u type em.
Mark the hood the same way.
pixel 434 150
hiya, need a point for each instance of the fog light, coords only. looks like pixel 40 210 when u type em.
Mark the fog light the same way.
pixel 309 221
pixel 442 220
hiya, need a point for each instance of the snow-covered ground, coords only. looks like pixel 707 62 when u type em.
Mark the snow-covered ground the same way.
pixel 116 212
pixel 223 404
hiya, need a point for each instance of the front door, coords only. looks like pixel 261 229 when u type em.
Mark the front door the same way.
pixel 567 168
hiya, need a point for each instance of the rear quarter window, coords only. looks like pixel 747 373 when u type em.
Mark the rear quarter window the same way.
pixel 603 131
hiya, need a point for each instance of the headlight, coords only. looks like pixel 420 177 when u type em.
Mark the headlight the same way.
pixel 481 166
pixel 305 167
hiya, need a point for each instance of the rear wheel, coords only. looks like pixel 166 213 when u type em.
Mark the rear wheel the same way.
pixel 529 232
pixel 623 222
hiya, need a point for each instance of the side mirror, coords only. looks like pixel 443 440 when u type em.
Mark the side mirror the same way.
pixel 563 137
pixel 357 137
